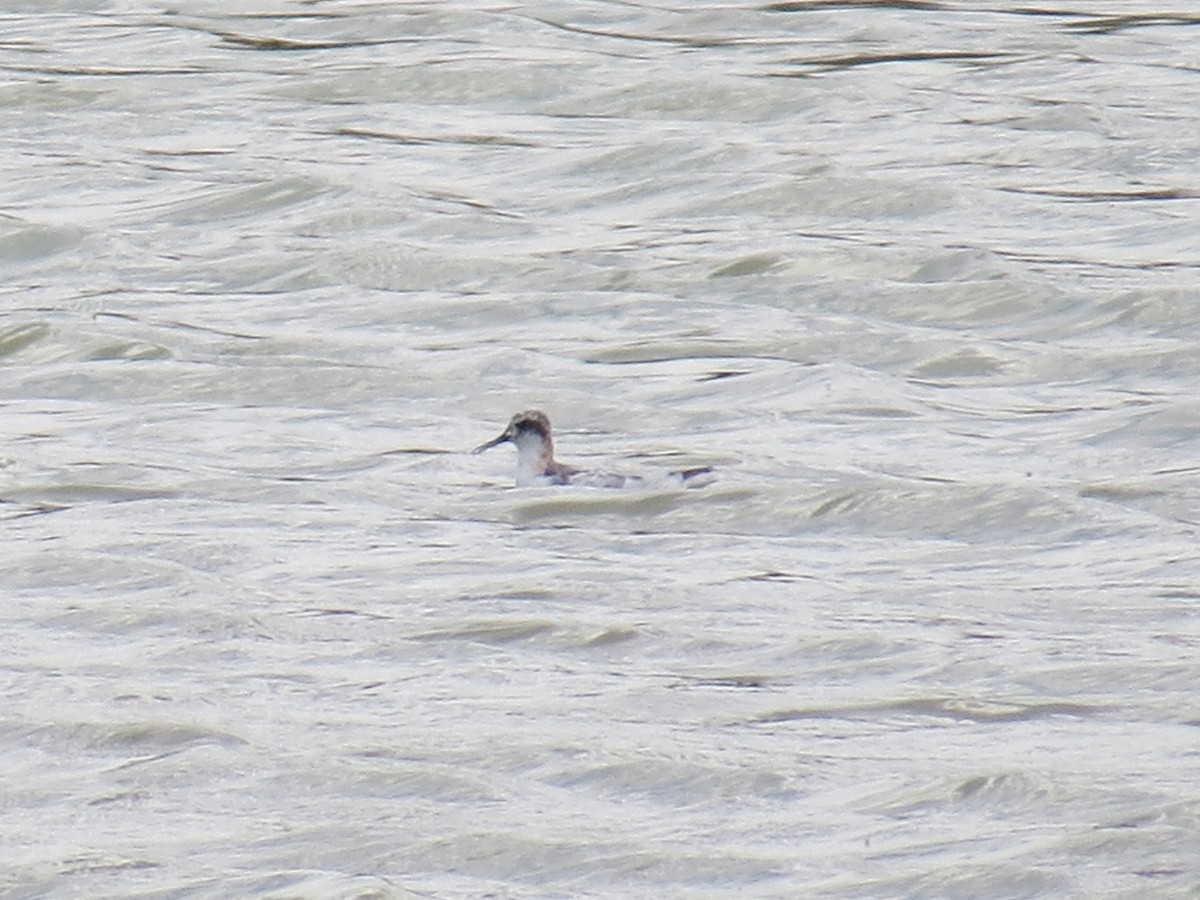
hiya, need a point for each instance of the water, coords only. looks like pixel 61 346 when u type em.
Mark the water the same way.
pixel 920 280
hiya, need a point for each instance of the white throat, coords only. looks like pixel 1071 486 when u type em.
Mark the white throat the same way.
pixel 534 455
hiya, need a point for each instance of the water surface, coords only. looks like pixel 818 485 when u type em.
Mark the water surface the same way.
pixel 919 279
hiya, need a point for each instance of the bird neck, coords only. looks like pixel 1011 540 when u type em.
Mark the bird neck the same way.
pixel 535 453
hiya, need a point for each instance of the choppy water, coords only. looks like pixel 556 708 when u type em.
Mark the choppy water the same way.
pixel 920 279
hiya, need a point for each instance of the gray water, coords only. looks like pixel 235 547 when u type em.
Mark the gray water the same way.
pixel 919 279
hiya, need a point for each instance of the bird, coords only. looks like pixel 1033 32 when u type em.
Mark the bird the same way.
pixel 531 433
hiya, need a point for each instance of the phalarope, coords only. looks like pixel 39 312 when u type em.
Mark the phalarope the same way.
pixel 530 432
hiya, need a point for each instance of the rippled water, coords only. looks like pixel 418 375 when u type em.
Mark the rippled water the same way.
pixel 919 278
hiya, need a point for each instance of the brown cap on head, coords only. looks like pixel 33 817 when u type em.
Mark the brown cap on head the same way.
pixel 532 420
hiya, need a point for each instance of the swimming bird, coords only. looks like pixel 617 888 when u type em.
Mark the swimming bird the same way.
pixel 530 432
